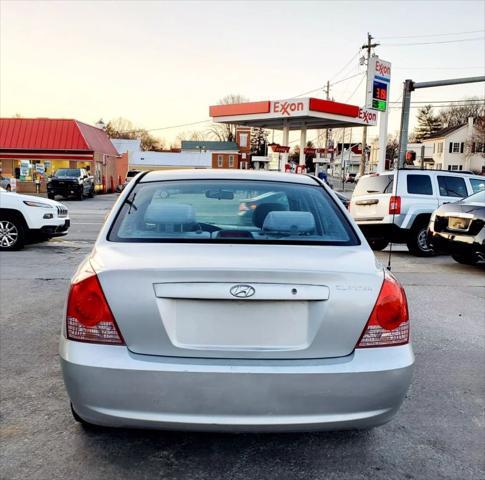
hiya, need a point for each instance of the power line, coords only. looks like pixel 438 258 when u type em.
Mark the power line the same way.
pixel 346 65
pixel 439 68
pixel 431 43
pixel 166 128
pixel 336 75
pixel 434 34
pixel 309 91
pixel 471 100
pixel 356 88
pixel 347 78
pixel 439 106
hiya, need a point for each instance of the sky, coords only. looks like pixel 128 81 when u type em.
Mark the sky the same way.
pixel 162 63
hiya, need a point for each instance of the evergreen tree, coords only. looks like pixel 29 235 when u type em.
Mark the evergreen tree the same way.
pixel 428 123
pixel 259 139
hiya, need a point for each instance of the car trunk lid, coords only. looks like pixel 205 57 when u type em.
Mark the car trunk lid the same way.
pixel 239 301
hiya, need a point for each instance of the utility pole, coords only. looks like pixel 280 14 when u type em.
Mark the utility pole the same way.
pixel 327 96
pixel 368 46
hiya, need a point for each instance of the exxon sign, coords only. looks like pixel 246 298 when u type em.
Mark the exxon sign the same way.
pixel 288 108
pixel 378 84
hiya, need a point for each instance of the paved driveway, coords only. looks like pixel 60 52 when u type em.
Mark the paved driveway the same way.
pixel 438 434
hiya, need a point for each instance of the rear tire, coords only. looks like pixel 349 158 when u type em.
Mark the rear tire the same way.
pixel 465 259
pixel 418 241
pixel 378 244
pixel 12 233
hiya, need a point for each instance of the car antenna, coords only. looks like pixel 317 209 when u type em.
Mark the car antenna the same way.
pixel 389 258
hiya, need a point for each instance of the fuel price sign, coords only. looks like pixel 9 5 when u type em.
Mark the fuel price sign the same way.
pixel 379 95
pixel 378 83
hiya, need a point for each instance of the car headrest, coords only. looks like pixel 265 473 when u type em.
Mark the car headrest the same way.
pixel 292 223
pixel 171 214
pixel 262 210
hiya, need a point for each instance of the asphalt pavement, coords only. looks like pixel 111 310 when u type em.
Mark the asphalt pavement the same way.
pixel 438 433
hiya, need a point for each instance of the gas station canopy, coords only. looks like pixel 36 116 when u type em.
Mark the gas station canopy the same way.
pixel 294 114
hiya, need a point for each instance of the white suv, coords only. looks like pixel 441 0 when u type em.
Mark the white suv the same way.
pixel 397 205
pixel 25 217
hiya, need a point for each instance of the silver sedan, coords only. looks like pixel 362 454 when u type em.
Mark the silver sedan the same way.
pixel 182 318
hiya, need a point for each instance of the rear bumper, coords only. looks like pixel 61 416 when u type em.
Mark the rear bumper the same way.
pixel 109 385
pixel 381 231
pixel 459 244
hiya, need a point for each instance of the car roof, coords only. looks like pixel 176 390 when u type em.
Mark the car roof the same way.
pixel 220 174
pixel 420 171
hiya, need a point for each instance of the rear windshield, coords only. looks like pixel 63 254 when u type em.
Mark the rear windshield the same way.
pixel 68 172
pixel 231 211
pixel 478 197
pixel 374 184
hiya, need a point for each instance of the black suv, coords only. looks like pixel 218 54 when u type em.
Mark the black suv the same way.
pixel 459 229
pixel 71 182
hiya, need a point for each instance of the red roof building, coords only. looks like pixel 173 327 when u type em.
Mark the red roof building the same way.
pixel 34 148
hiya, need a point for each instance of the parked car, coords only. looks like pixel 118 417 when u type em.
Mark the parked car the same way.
pixel 350 177
pixel 5 182
pixel 71 182
pixel 459 229
pixel 398 205
pixel 25 217
pixel 182 318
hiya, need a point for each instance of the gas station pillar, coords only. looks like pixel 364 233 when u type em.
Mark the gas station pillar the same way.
pixel 302 144
pixel 286 141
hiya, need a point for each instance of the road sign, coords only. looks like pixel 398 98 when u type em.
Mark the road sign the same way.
pixel 378 84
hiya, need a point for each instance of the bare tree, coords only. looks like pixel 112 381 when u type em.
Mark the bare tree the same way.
pixel 221 131
pixel 454 115
pixel 123 128
pixel 197 135
pixel 392 148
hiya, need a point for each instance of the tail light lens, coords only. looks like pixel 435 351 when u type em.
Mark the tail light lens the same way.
pixel 388 323
pixel 89 318
pixel 395 205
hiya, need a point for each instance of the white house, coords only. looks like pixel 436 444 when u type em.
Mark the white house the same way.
pixel 169 160
pixel 457 148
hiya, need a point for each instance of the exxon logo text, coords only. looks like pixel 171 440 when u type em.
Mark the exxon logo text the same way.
pixel 367 116
pixel 286 108
pixel 384 70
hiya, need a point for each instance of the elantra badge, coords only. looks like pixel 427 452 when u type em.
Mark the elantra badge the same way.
pixel 242 291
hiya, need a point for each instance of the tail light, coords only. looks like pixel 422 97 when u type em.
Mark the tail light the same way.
pixel 395 205
pixel 388 323
pixel 89 318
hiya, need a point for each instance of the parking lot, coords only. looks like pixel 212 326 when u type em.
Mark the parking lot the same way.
pixel 438 433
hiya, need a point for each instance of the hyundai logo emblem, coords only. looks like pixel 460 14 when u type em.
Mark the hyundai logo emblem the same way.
pixel 242 291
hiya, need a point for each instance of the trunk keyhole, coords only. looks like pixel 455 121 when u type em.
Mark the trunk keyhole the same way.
pixel 294 291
